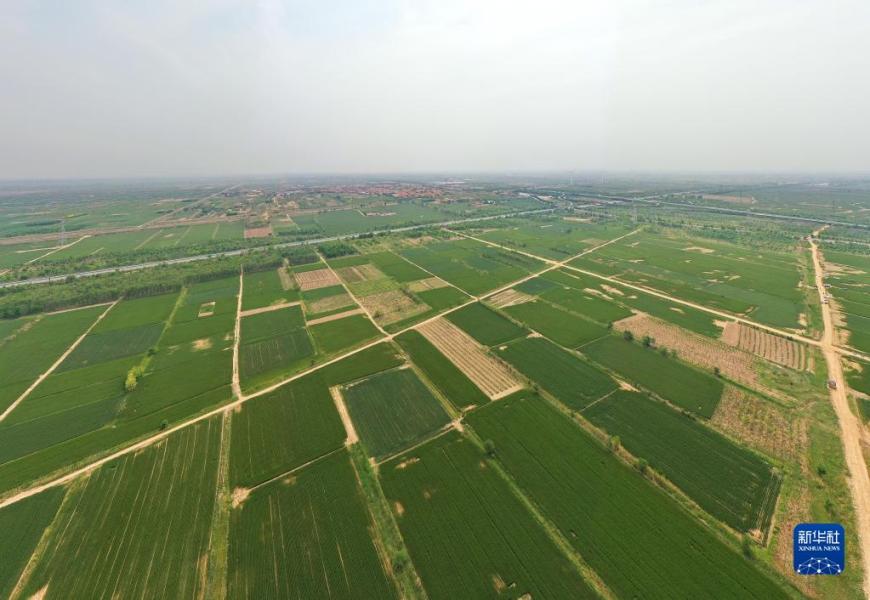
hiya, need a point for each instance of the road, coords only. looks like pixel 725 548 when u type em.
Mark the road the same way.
pixel 850 426
pixel 198 257
pixel 241 398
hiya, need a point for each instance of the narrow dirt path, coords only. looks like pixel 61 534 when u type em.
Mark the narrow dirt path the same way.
pixel 56 363
pixel 270 308
pixel 338 399
pixel 237 335
pixel 58 249
pixel 850 427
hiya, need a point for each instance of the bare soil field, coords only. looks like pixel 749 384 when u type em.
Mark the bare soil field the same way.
pixel 258 232
pixel 330 303
pixel 430 283
pixel 392 307
pixel 312 280
pixel 774 348
pixel 365 272
pixel 510 298
pixel 206 309
pixel 270 308
pixel 487 373
pixel 761 424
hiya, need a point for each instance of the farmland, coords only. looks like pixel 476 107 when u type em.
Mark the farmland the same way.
pixel 567 377
pixel 392 410
pixel 638 541
pixel 306 538
pixel 467 534
pixel 677 383
pixel 155 495
pixel 283 430
pixel 452 382
pixel 485 325
pixel 730 483
pixel 419 413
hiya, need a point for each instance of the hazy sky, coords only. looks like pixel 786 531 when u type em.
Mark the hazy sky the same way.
pixel 196 87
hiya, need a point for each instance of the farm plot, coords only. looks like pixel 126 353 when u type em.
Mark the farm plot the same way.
pixel 137 312
pixel 23 524
pixel 681 385
pixel 468 535
pixel 117 343
pixel 761 424
pixel 430 283
pixel 314 280
pixel 509 297
pixel 485 325
pixel 442 297
pixel 326 301
pixel 471 266
pixel 267 288
pixel 393 410
pixel 560 326
pixel 273 342
pixel 566 376
pixel 376 359
pixel 393 306
pixel 848 277
pixel 163 494
pixel 452 382
pixel 487 373
pixel 32 348
pixel 306 537
pixel 636 538
pixel 282 430
pixel 341 333
pixel 730 483
pixel 774 348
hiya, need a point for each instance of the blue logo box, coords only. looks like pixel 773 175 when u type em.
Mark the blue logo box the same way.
pixel 819 549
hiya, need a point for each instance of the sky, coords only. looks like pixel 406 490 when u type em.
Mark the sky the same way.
pixel 193 87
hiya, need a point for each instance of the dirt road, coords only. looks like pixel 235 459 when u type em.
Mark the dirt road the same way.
pixel 237 335
pixel 850 427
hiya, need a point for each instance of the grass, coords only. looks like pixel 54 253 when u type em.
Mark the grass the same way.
pixel 163 495
pixel 23 524
pixel 306 539
pixel 729 482
pixel 452 382
pixel 636 538
pixel 333 336
pixel 558 325
pixel 467 533
pixel 485 325
pixel 569 378
pixel 679 384
pixel 283 429
pixel 392 410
